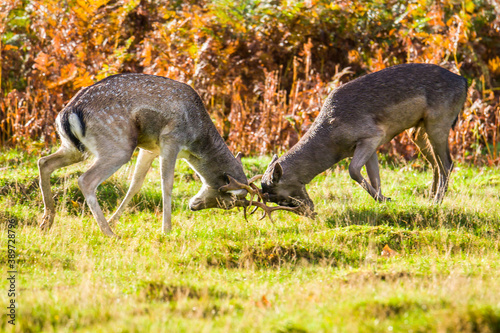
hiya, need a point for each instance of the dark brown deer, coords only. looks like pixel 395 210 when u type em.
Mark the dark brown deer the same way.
pixel 363 114
pixel 160 116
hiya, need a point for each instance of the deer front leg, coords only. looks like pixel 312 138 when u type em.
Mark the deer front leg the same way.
pixel 167 164
pixel 46 165
pixel 373 172
pixel 365 149
pixel 144 161
pixel 101 170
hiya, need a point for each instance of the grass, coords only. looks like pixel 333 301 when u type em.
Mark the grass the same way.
pixel 217 273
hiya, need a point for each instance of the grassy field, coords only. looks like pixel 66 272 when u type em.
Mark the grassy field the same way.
pixel 217 273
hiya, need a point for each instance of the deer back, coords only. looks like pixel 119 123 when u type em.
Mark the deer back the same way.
pixel 138 110
pixel 393 99
pixel 378 105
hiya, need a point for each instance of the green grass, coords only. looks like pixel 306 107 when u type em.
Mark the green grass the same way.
pixel 216 272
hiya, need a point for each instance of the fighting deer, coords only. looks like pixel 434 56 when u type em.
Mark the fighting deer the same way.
pixel 163 118
pixel 363 114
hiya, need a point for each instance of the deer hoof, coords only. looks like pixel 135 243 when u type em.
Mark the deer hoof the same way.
pixel 381 198
pixel 110 233
pixel 47 221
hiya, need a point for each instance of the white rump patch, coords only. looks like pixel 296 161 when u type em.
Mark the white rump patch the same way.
pixel 75 125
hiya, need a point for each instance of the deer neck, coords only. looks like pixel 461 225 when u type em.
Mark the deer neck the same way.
pixel 212 160
pixel 312 155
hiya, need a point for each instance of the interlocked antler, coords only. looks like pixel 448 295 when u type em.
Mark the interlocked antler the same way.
pixel 268 210
pixel 254 191
pixel 236 185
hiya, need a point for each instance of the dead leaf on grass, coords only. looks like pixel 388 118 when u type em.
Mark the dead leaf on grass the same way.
pixel 263 302
pixel 387 252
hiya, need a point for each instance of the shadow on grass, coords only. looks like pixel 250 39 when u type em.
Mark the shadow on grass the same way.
pixel 415 217
pixel 276 254
pixel 472 318
pixel 20 219
pixel 166 292
pixel 158 291
pixel 67 194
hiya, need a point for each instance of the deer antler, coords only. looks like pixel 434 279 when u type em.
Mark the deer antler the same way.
pixel 253 190
pixel 234 185
pixel 250 188
pixel 254 178
pixel 268 209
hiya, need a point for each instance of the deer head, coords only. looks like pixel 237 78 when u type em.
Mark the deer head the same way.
pixel 209 197
pixel 286 191
pixel 224 197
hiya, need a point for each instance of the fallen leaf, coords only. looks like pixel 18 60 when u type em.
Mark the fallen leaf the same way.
pixel 265 301
pixel 387 252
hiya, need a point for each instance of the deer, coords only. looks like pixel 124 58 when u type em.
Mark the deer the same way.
pixel 160 116
pixel 363 114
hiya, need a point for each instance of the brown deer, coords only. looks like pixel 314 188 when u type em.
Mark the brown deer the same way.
pixel 160 116
pixel 363 114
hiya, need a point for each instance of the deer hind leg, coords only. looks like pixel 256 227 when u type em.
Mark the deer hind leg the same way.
pixel 46 165
pixel 168 157
pixel 364 152
pixel 439 142
pixel 419 137
pixel 144 161
pixel 373 172
pixel 103 167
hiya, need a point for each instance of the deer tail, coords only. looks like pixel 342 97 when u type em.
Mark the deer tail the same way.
pixel 466 89
pixel 72 126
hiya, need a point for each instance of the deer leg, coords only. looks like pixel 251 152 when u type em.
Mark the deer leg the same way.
pixel 419 137
pixel 101 170
pixel 439 141
pixel 364 151
pixel 374 175
pixel 46 165
pixel 167 164
pixel 144 161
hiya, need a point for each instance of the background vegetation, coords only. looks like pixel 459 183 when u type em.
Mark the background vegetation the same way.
pixel 263 67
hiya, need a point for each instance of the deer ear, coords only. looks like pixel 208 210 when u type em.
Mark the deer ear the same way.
pixel 239 156
pixel 275 158
pixel 277 172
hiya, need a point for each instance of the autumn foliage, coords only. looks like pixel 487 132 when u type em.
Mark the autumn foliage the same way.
pixel 263 68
